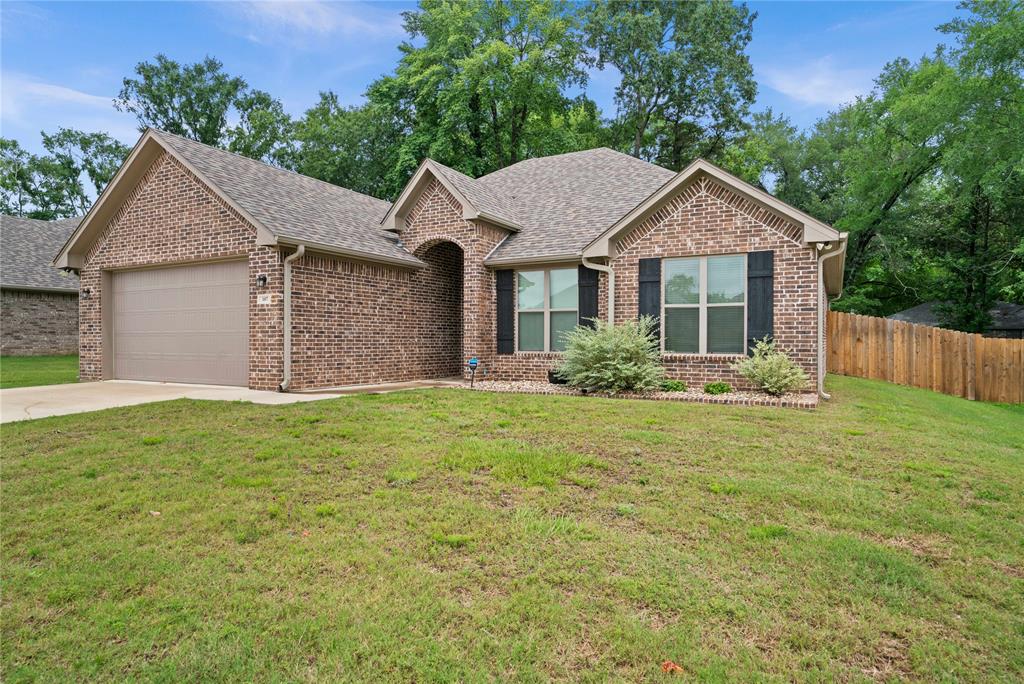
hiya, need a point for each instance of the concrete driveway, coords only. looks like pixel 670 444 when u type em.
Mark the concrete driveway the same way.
pixel 24 403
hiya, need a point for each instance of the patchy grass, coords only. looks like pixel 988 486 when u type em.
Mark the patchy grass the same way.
pixel 450 535
pixel 29 371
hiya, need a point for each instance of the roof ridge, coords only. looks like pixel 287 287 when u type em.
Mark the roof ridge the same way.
pixel 269 166
pixel 574 153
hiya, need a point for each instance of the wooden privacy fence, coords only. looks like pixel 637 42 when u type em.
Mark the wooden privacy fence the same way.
pixel 962 364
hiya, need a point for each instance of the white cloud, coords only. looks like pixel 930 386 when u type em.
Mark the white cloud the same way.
pixel 29 105
pixel 297 23
pixel 818 82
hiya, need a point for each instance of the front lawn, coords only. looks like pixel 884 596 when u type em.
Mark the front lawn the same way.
pixel 466 536
pixel 27 371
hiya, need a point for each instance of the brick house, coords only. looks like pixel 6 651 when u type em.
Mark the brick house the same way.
pixel 198 265
pixel 38 304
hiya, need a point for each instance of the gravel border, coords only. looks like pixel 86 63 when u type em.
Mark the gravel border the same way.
pixel 798 401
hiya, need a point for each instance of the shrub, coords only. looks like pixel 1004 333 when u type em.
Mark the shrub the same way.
pixel 717 388
pixel 771 370
pixel 673 386
pixel 613 358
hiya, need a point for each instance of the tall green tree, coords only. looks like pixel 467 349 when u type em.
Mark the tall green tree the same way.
pixel 199 100
pixel 63 182
pixel 479 82
pixel 686 81
pixel 354 147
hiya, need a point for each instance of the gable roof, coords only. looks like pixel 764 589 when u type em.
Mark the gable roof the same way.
pixel 285 207
pixel 477 200
pixel 26 248
pixel 566 200
pixel 1005 316
pixel 813 229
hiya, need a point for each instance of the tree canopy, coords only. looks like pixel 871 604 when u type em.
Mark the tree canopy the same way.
pixel 925 172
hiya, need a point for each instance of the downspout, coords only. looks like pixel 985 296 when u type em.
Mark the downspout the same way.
pixel 286 383
pixel 822 305
pixel 611 285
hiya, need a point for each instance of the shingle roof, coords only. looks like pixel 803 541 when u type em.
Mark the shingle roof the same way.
pixel 26 248
pixel 486 200
pixel 1005 316
pixel 292 206
pixel 564 202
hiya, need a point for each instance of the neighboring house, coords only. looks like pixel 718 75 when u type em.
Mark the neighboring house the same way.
pixel 198 265
pixel 1007 319
pixel 38 304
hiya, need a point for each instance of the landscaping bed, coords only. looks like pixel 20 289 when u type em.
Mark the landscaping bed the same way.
pixel 801 401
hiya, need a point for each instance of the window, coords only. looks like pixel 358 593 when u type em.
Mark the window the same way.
pixel 704 308
pixel 548 305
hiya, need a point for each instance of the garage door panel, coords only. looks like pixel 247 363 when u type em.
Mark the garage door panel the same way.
pixel 182 324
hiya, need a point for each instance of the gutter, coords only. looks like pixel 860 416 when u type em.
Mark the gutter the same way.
pixel 603 268
pixel 822 305
pixel 297 254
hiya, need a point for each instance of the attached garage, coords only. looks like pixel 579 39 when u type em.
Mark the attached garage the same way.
pixel 182 324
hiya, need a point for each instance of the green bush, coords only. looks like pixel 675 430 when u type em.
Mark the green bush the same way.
pixel 673 386
pixel 771 370
pixel 613 358
pixel 717 388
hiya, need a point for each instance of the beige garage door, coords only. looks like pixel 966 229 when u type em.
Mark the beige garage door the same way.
pixel 182 324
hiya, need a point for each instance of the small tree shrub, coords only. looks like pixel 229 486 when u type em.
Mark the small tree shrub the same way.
pixel 673 386
pixel 717 388
pixel 613 358
pixel 771 370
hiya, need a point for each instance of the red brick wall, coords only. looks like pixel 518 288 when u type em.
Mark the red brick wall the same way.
pixel 171 218
pixel 707 219
pixel 357 323
pixel 437 217
pixel 36 322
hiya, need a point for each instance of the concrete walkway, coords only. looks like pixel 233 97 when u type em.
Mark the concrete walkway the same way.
pixel 25 403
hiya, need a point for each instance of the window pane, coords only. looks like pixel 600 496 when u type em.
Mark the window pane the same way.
pixel 564 294
pixel 726 282
pixel 531 331
pixel 682 330
pixel 725 330
pixel 682 281
pixel 561 322
pixel 531 290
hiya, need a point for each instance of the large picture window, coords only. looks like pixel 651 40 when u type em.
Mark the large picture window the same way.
pixel 547 307
pixel 704 309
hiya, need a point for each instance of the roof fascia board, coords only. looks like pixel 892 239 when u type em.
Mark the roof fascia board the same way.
pixel 534 261
pixel 332 250
pixel 141 158
pixel 813 230
pixel 395 218
pixel 33 288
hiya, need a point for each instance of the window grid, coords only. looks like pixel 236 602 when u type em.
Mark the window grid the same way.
pixel 547 310
pixel 702 305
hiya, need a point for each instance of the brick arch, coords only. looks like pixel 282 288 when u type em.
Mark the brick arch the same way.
pixel 429 243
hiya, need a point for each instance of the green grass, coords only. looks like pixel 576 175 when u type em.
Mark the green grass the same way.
pixel 445 535
pixel 28 371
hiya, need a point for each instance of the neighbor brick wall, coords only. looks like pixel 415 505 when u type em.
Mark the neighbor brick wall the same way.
pixel 706 219
pixel 170 218
pixel 33 323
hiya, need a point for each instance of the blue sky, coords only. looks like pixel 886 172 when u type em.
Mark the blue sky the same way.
pixel 62 63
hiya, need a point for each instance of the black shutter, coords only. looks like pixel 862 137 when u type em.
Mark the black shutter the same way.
pixel 760 297
pixel 650 291
pixel 588 296
pixel 506 311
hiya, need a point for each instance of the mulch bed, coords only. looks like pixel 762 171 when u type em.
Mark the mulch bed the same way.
pixel 799 401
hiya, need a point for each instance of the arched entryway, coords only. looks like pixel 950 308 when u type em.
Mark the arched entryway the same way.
pixel 439 290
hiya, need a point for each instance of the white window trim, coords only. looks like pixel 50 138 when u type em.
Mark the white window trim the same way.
pixel 702 306
pixel 547 310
